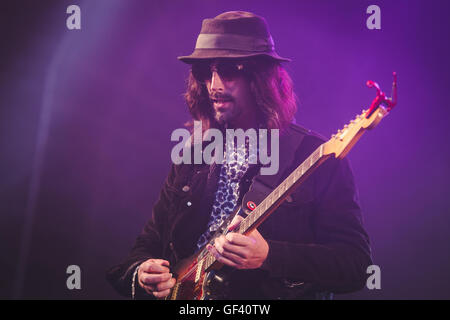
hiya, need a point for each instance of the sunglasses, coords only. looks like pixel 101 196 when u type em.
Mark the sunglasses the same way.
pixel 227 70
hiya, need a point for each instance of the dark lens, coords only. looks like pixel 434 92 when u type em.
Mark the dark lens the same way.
pixel 229 70
pixel 201 72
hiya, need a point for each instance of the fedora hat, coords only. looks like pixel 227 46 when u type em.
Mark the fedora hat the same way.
pixel 233 34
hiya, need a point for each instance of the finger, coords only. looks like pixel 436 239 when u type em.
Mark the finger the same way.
pixel 160 262
pixel 222 245
pixel 231 250
pixel 235 222
pixel 149 279
pixel 161 294
pixel 239 239
pixel 154 267
pixel 238 259
pixel 162 286
pixel 221 258
pixel 165 285
pixel 148 289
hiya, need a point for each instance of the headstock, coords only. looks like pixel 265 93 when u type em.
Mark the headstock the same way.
pixel 341 142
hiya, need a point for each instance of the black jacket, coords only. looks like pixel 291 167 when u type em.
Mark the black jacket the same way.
pixel 316 240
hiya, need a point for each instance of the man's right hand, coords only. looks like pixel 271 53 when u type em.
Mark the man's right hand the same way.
pixel 155 278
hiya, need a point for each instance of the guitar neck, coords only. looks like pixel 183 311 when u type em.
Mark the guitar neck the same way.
pixel 280 193
pixel 275 198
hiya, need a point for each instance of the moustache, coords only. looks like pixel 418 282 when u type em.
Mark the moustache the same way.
pixel 220 97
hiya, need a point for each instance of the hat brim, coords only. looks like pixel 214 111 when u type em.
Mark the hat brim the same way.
pixel 204 54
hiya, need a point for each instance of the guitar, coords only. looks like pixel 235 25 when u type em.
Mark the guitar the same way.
pixel 196 274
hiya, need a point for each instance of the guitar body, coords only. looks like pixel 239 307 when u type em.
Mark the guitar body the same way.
pixel 193 283
pixel 189 285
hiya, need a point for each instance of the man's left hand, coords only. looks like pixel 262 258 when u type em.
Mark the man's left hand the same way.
pixel 240 251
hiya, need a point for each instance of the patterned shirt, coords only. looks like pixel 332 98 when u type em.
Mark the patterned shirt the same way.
pixel 233 169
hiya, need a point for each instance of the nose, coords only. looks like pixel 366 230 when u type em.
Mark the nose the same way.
pixel 216 82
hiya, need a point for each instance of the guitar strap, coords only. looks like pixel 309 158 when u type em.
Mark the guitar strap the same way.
pixel 262 185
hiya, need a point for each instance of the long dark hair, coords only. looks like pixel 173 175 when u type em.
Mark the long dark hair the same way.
pixel 272 89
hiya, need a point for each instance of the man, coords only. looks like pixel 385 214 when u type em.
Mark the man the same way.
pixel 312 245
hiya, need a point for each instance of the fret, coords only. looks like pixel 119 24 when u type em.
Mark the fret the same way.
pixel 249 221
pixel 209 261
pixel 199 270
pixel 317 154
pixel 255 214
pixel 240 227
pixel 269 198
pixel 289 180
pixel 206 263
pixel 247 224
pixel 253 217
pixel 293 179
pixel 278 192
pixel 243 226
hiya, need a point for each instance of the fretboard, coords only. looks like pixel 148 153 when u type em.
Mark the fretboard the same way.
pixel 274 199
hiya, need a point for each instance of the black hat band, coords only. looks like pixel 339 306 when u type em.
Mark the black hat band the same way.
pixel 233 42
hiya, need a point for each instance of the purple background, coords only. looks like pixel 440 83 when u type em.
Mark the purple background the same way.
pixel 86 118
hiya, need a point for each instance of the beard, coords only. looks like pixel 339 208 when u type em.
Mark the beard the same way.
pixel 227 113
